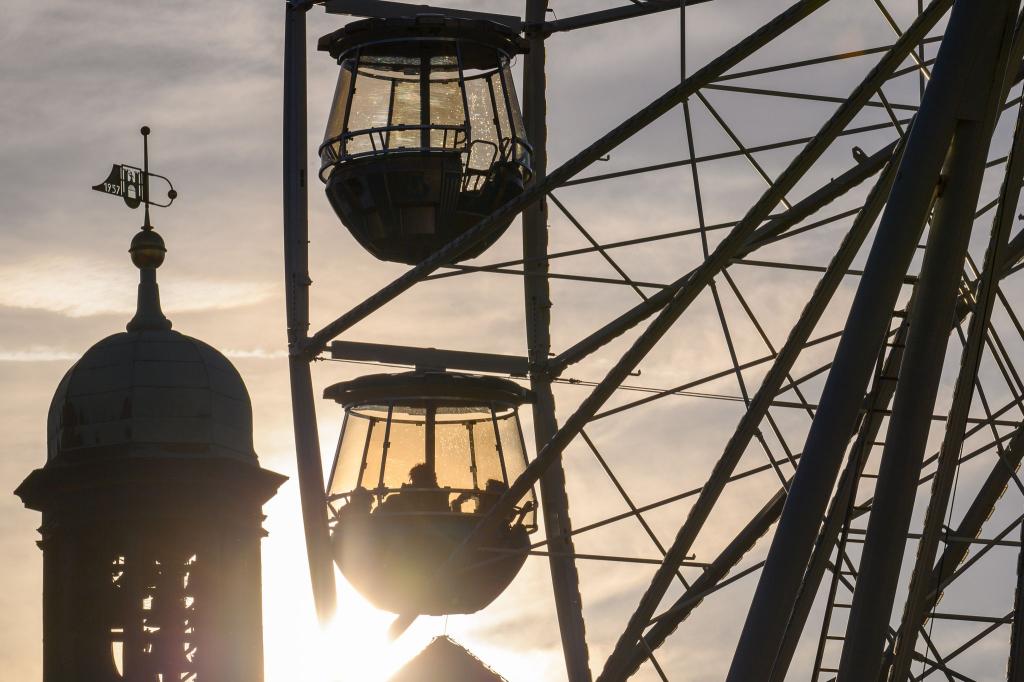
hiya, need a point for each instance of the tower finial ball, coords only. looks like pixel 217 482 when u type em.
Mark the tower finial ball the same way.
pixel 147 249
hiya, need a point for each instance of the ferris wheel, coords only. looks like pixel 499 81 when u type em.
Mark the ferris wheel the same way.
pixel 786 425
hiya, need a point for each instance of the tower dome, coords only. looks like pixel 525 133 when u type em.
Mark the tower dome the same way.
pixel 150 392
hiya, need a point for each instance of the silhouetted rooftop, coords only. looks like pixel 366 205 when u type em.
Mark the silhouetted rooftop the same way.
pixel 150 391
pixel 446 661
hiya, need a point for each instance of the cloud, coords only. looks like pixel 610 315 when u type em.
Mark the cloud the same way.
pixel 37 354
pixel 255 353
pixel 80 288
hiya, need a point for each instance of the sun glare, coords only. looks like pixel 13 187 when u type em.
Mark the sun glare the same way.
pixel 354 647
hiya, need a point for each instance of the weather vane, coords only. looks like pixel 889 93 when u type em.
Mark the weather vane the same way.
pixel 132 184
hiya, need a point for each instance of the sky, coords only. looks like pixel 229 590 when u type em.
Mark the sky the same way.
pixel 79 80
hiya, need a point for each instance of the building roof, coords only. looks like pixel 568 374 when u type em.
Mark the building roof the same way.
pixel 150 391
pixel 443 660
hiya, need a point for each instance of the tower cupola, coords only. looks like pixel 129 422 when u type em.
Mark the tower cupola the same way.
pixel 151 496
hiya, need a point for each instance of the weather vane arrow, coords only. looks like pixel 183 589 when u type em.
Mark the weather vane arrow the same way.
pixel 132 183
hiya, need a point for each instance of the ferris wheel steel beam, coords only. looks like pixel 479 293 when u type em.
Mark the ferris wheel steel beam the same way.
pixel 709 580
pixel 800 210
pixel 948 566
pixel 726 249
pixel 894 247
pixel 916 391
pixel 839 513
pixel 665 624
pixel 606 16
pixel 623 665
pixel 624 131
pixel 565 581
pixel 942 484
pixel 681 300
pixel 384 9
pixel 430 358
pixel 297 281
pixel 1015 664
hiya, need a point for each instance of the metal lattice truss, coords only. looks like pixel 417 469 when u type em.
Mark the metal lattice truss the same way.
pixel 850 451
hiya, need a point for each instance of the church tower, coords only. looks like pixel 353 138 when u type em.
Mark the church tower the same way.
pixel 151 498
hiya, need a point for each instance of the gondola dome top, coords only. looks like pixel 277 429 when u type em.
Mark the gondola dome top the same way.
pixel 444 387
pixel 480 37
pixel 150 392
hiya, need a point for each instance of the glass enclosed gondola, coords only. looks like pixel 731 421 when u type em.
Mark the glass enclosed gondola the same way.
pixel 422 457
pixel 425 135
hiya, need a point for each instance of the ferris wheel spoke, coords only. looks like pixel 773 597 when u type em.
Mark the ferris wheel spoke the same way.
pixel 1004 362
pixel 753 471
pixel 712 579
pixel 984 547
pixel 504 267
pixel 770 230
pixel 597 247
pixel 767 341
pixel 899 34
pixel 719 156
pixel 629 502
pixel 637 9
pixel 781 367
pixel 683 389
pixel 819 60
pixel 805 96
pixel 699 202
pixel 565 276
pixel 758 436
pixel 741 147
pixel 967 645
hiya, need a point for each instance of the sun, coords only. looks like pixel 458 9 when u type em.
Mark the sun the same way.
pixel 358 639
pixel 353 647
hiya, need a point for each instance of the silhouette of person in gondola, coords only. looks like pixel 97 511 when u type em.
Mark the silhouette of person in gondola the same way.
pixel 420 494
